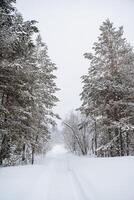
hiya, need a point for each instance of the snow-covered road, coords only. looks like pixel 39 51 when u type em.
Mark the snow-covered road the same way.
pixel 63 176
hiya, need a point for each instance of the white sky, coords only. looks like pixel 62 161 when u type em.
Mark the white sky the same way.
pixel 69 27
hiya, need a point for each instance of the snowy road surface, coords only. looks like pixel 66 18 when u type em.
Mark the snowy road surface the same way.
pixel 63 176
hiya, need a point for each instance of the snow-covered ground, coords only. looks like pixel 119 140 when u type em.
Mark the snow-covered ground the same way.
pixel 63 176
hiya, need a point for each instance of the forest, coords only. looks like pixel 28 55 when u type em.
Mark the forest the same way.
pixel 27 88
pixel 66 100
pixel 104 123
pixel 102 126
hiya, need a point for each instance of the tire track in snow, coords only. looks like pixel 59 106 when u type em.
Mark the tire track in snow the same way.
pixel 83 195
pixel 61 186
pixel 38 181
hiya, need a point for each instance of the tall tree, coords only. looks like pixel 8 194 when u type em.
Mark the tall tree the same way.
pixel 27 88
pixel 108 91
pixel 16 80
pixel 44 89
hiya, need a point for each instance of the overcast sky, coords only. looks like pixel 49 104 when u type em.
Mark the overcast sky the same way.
pixel 69 27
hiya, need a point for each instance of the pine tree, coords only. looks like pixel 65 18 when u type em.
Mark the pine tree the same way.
pixel 16 81
pixel 108 92
pixel 27 89
pixel 6 10
pixel 44 90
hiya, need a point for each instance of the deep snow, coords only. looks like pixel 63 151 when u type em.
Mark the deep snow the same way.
pixel 64 176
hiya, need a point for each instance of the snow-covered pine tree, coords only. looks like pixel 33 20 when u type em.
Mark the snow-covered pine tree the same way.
pixel 25 77
pixel 6 15
pixel 27 88
pixel 108 92
pixel 15 84
pixel 44 89
pixel 46 85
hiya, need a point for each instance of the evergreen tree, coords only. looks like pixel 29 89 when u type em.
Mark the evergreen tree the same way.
pixel 6 10
pixel 16 80
pixel 27 89
pixel 108 92
pixel 44 89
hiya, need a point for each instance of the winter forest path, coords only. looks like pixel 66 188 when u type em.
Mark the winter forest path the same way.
pixel 62 182
pixel 64 176
pixel 52 179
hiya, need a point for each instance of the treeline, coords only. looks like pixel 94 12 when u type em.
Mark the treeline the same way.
pixel 27 88
pixel 107 98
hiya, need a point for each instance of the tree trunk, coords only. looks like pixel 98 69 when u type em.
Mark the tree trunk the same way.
pixel 3 149
pixel 110 150
pixel 92 146
pixel 127 145
pixel 95 138
pixel 33 155
pixel 1 160
pixel 23 153
pixel 121 143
